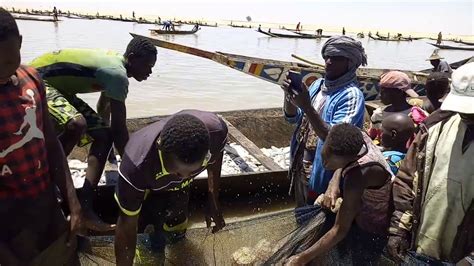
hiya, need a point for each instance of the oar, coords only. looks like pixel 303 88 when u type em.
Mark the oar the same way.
pixel 307 61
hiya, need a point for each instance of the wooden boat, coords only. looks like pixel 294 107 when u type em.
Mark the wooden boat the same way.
pixel 175 32
pixel 463 42
pixel 448 47
pixel 280 35
pixel 307 34
pixel 35 19
pixel 401 39
pixel 252 129
pixel 240 26
pixel 274 70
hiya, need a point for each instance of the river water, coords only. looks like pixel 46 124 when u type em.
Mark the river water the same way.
pixel 182 81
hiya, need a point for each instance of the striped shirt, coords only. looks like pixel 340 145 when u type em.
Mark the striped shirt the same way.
pixel 342 105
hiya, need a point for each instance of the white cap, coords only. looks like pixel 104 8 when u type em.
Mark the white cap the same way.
pixel 461 97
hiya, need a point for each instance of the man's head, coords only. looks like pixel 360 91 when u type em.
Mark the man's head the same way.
pixel 342 54
pixel 10 44
pixel 184 142
pixel 437 86
pixel 395 86
pixel 141 57
pixel 397 129
pixel 344 144
pixel 435 58
pixel 461 97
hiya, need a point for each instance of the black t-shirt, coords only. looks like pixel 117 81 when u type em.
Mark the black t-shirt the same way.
pixel 141 169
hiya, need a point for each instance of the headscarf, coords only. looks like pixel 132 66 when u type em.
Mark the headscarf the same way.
pixel 349 48
pixel 397 80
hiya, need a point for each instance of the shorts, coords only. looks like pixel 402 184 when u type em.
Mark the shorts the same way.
pixel 166 210
pixel 62 108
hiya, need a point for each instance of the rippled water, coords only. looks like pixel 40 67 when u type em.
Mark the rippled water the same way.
pixel 182 81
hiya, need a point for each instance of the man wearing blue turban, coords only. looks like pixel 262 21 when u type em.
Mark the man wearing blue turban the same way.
pixel 329 101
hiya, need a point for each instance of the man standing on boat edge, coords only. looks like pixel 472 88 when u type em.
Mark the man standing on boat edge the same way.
pixel 69 72
pixel 332 100
pixel 159 163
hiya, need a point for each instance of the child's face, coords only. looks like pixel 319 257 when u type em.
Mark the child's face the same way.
pixel 332 161
pixel 9 56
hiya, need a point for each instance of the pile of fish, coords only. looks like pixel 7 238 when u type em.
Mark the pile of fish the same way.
pixel 236 160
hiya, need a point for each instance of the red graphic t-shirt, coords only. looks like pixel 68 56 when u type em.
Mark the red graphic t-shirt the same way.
pixel 23 158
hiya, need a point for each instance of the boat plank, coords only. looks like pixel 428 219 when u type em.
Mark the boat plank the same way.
pixel 251 147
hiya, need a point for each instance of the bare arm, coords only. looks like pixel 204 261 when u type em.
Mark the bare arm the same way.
pixel 119 125
pixel 303 101
pixel 125 239
pixel 103 108
pixel 320 127
pixel 289 107
pixel 214 176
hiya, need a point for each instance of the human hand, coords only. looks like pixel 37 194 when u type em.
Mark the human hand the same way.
pixel 214 214
pixel 397 247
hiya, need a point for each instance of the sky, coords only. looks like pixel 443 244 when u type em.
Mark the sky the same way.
pixel 450 17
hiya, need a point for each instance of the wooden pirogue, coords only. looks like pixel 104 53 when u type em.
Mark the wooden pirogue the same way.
pixel 386 39
pixel 307 34
pixel 463 42
pixel 35 19
pixel 296 36
pixel 252 129
pixel 174 32
pixel 448 47
pixel 274 70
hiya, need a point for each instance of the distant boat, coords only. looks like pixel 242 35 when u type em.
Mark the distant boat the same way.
pixel 463 42
pixel 35 19
pixel 240 26
pixel 307 34
pixel 448 47
pixel 401 39
pixel 297 36
pixel 178 32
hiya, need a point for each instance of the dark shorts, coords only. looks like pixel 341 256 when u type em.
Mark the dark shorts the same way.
pixel 167 211
pixel 63 108
pixel 30 226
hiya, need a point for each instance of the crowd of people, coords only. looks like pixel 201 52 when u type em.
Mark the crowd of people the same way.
pixel 404 181
pixel 406 185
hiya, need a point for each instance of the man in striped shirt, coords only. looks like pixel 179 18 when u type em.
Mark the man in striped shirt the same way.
pixel 329 101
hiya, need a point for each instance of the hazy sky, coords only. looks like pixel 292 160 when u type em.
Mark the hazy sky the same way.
pixel 454 16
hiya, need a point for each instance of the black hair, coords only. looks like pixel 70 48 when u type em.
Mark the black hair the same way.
pixel 8 27
pixel 140 47
pixel 345 140
pixel 186 137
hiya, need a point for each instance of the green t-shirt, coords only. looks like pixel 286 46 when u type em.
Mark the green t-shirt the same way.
pixel 73 71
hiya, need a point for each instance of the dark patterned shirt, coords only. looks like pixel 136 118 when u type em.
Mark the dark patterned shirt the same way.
pixel 142 168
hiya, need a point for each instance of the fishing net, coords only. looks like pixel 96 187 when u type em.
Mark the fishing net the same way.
pixel 314 223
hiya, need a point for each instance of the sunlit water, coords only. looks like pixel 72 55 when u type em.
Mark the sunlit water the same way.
pixel 182 81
